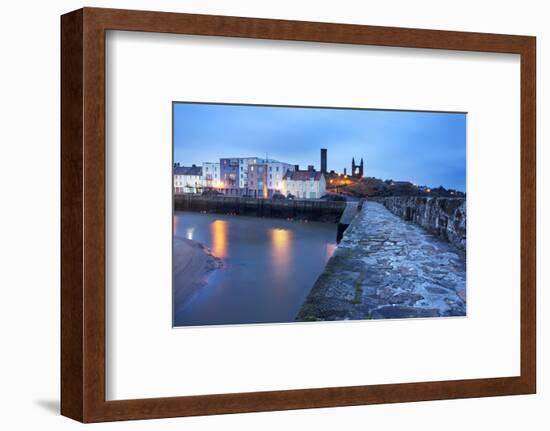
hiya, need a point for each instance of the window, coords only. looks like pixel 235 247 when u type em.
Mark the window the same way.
pixel 270 176
pixel 270 168
pixel 277 168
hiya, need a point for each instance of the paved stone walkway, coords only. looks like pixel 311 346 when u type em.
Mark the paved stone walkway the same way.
pixel 386 268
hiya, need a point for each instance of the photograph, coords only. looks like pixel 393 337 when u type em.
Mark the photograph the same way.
pixel 286 214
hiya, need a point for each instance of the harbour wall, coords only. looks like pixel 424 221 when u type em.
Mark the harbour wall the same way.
pixel 386 268
pixel 443 217
pixel 296 209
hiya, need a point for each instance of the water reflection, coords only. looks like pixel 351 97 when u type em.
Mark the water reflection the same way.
pixel 280 248
pixel 330 248
pixel 218 230
pixel 269 267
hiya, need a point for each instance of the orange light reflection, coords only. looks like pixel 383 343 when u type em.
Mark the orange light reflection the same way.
pixel 280 248
pixel 218 230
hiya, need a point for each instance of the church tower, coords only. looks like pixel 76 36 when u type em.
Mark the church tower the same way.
pixel 356 170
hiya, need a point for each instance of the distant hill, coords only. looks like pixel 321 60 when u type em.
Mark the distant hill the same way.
pixel 375 187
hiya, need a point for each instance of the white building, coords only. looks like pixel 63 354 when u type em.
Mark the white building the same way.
pixel 187 179
pixel 275 174
pixel 211 175
pixel 308 184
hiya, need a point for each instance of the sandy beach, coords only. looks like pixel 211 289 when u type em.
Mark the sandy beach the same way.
pixel 192 264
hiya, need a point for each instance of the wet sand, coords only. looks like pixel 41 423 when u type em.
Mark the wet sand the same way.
pixel 193 262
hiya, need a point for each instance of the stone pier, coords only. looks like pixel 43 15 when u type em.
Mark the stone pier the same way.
pixel 347 217
pixel 385 267
pixel 443 217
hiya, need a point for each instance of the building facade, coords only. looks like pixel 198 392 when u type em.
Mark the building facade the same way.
pixel 244 164
pixel 257 181
pixel 275 174
pixel 211 176
pixel 308 184
pixel 230 176
pixel 187 179
pixel 250 176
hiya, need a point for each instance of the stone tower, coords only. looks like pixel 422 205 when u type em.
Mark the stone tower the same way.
pixel 357 170
pixel 324 160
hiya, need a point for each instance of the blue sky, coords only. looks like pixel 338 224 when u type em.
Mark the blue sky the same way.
pixel 427 148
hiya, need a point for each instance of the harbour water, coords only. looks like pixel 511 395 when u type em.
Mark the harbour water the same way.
pixel 268 267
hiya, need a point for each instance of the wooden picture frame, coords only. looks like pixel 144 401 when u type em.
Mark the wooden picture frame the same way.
pixel 83 214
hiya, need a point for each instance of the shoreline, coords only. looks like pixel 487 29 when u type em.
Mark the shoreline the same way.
pixel 193 263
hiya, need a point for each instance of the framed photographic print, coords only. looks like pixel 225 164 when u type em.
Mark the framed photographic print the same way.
pixel 265 215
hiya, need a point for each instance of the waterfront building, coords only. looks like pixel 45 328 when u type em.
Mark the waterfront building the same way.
pixel 211 175
pixel 234 174
pixel 265 177
pixel 230 176
pixel 275 174
pixel 252 176
pixel 257 180
pixel 309 184
pixel 187 179
pixel 244 163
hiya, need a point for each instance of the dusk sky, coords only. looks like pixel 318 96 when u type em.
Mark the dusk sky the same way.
pixel 426 148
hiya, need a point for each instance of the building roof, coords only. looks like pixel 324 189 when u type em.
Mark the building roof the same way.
pixel 188 170
pixel 303 175
pixel 257 159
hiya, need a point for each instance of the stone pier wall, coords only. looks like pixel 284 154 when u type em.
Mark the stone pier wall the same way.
pixel 444 217
pixel 385 268
pixel 312 210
